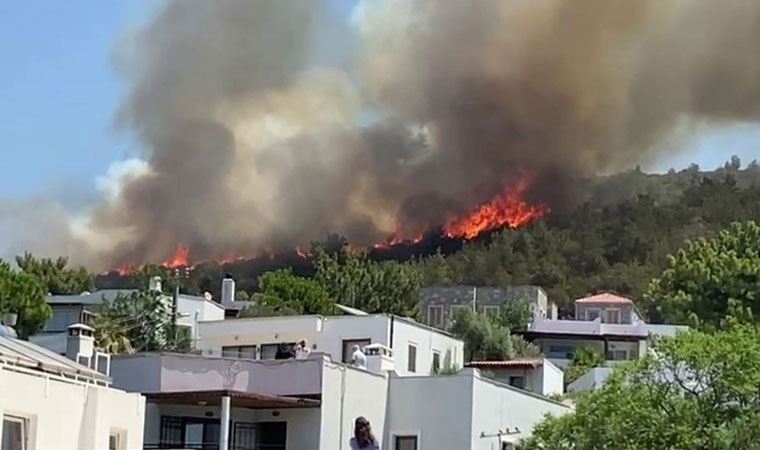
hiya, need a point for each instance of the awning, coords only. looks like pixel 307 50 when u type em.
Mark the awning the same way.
pixel 238 399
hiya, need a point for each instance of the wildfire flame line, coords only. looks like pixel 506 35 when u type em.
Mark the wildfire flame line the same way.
pixel 508 209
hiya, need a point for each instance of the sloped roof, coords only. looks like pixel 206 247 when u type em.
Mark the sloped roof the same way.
pixel 606 298
pixel 529 363
pixel 31 356
pixel 93 298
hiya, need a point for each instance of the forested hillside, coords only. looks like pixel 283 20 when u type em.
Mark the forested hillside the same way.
pixel 617 237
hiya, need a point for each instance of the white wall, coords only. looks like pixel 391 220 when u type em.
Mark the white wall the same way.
pixel 336 329
pixel 436 409
pixel 67 415
pixel 194 309
pixel 553 379
pixel 496 406
pixel 348 393
pixel 254 331
pixel 427 341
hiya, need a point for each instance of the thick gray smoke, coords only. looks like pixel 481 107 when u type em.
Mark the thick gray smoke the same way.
pixel 251 147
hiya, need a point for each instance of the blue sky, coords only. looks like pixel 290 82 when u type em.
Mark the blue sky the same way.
pixel 58 94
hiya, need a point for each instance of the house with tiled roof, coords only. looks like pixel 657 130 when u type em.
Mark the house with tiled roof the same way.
pixel 605 322
pixel 537 374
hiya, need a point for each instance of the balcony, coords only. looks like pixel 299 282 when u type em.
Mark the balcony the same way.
pixel 153 373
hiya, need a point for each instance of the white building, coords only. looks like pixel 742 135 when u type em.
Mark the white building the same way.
pixel 606 323
pixel 416 348
pixel 236 396
pixel 51 403
pixel 537 375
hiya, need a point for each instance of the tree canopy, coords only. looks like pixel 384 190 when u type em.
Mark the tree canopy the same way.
pixel 710 278
pixel 696 391
pixel 488 339
pixel 22 293
pixel 55 276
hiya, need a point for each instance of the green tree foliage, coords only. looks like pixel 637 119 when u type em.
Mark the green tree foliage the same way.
pixel 697 391
pixel 710 278
pixel 615 242
pixel 54 275
pixel 112 333
pixel 146 316
pixel 486 339
pixel 354 280
pixel 283 290
pixel 584 359
pixel 22 293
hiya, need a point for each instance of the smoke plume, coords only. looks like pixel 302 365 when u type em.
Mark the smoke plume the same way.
pixel 251 146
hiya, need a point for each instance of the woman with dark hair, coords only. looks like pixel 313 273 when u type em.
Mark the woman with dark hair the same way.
pixel 363 438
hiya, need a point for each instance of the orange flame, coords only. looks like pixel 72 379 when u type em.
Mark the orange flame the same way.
pixel 180 258
pixel 507 209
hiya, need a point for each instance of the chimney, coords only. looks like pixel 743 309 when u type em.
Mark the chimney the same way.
pixel 154 284
pixel 80 344
pixel 228 290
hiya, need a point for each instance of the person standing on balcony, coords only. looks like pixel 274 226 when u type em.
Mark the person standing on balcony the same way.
pixel 363 438
pixel 302 350
pixel 358 357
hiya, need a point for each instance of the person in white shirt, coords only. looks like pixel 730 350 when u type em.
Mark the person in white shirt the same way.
pixel 302 350
pixel 358 357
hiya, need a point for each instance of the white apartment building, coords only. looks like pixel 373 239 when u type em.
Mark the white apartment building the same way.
pixel 416 348
pixel 237 396
pixel 51 403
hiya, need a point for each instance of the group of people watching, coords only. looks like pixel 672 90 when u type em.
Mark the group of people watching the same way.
pixel 299 351
pixel 302 351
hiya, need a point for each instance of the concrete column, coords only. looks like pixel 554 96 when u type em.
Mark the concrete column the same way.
pixel 224 426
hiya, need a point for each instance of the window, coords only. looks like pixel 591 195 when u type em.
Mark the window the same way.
pixel 456 309
pixel 436 362
pixel 617 355
pixel 14 433
pixel 435 315
pixel 116 440
pixel 240 351
pixel 491 310
pixel 405 443
pixel 592 313
pixel 62 318
pixel 411 358
pixel 612 315
pixel 268 351
pixel 189 432
pixel 562 351
pixel 348 345
pixel 517 381
pixel 243 436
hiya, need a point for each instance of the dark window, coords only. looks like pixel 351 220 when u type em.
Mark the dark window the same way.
pixel 411 358
pixel 14 433
pixel 244 436
pixel 171 432
pixel 272 435
pixel 348 345
pixel 405 443
pixel 435 315
pixel 518 382
pixel 240 351
pixel 189 432
pixel 436 362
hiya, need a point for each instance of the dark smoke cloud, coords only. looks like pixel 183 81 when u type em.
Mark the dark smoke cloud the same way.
pixel 250 147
